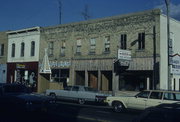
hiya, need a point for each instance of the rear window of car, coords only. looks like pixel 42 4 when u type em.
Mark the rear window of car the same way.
pixel 75 88
pixel 172 96
pixel 90 89
pixel 169 96
pixel 156 95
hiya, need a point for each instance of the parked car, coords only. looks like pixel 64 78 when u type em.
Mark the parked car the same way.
pixel 142 100
pixel 161 113
pixel 17 97
pixel 81 94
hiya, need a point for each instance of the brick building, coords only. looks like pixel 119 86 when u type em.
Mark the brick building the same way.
pixel 85 53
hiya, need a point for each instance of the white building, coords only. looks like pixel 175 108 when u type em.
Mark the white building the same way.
pixel 23 55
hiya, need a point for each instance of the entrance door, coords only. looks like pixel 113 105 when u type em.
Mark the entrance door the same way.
pixel 93 79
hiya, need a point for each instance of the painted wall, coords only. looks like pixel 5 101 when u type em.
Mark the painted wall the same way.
pixel 175 35
pixel 27 37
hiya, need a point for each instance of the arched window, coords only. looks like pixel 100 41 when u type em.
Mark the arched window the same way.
pixel 13 50
pixel 32 48
pixel 22 49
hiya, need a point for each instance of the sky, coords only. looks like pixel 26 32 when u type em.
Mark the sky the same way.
pixel 21 14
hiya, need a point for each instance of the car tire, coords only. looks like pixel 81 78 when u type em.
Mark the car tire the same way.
pixel 118 107
pixel 81 101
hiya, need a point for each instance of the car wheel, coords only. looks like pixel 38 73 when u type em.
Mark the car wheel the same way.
pixel 118 107
pixel 81 101
pixel 53 95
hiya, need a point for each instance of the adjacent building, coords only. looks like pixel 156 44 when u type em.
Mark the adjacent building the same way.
pixel 3 56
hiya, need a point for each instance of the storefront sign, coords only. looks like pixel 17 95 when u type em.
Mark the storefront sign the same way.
pixel 124 54
pixel 124 63
pixel 54 64
pixel 20 66
pixel 176 65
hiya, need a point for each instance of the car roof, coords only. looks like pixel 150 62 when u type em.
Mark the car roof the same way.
pixel 170 91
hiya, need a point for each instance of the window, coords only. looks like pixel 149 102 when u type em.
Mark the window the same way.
pixel 51 48
pixel 169 96
pixel 22 49
pixel 78 48
pixel 143 94
pixel 123 41
pixel 1 49
pixel 33 48
pixel 174 84
pixel 141 41
pixel 107 44
pixel 63 48
pixel 13 50
pixel 156 95
pixel 177 95
pixel 92 45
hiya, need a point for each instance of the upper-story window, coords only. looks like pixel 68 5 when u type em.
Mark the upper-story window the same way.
pixel 92 45
pixel 33 48
pixel 141 41
pixel 22 49
pixel 107 44
pixel 13 50
pixel 50 48
pixel 1 49
pixel 123 42
pixel 78 46
pixel 63 48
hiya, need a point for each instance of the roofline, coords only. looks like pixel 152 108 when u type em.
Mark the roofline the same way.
pixel 23 30
pixel 155 11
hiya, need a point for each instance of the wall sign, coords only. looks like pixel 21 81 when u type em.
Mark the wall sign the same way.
pixel 175 70
pixel 124 54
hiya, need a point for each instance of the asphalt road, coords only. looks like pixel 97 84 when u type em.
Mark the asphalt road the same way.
pixel 92 112
pixel 72 112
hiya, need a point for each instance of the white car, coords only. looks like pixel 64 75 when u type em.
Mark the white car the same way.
pixel 142 100
pixel 78 93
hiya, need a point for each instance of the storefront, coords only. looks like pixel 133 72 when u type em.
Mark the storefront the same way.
pixel 23 73
pixel 60 71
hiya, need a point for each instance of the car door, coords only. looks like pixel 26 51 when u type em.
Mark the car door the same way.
pixel 138 101
pixel 74 92
pixel 155 99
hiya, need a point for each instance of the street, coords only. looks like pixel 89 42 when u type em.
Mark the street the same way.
pixel 72 112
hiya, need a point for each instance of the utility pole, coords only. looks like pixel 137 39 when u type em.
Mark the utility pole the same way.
pixel 154 58
pixel 60 10
pixel 85 13
pixel 169 46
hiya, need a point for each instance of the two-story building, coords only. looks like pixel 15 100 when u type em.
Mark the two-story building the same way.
pixel 23 56
pixel 86 53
